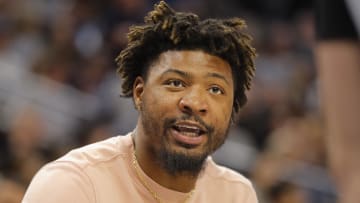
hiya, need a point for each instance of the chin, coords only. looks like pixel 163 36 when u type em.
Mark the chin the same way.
pixel 181 160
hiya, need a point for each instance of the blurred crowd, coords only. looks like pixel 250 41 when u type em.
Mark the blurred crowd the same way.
pixel 59 90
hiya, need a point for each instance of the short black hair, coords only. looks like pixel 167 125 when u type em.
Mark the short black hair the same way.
pixel 166 29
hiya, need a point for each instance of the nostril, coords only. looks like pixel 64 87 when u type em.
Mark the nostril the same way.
pixel 186 108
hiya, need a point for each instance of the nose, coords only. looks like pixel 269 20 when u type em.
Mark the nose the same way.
pixel 194 101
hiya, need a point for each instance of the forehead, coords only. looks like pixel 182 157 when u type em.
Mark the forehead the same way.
pixel 191 61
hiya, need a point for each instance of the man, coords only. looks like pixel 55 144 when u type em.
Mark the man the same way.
pixel 188 79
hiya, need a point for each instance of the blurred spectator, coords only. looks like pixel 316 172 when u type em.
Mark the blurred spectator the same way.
pixel 282 81
pixel 238 152
pixel 48 93
pixel 24 138
pixel 94 131
pixel 10 191
pixel 296 153
pixel 285 192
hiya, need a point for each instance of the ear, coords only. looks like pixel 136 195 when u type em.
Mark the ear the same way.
pixel 138 90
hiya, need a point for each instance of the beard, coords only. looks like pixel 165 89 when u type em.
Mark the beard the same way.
pixel 173 161
pixel 177 163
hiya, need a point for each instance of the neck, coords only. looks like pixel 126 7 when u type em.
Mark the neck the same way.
pixel 181 182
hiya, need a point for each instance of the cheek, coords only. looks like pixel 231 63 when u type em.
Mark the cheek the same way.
pixel 152 96
pixel 224 111
pixel 158 103
pixel 227 104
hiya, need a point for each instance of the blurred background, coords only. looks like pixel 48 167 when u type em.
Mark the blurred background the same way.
pixel 59 90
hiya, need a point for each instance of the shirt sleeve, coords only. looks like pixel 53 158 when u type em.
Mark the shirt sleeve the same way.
pixel 60 182
pixel 252 198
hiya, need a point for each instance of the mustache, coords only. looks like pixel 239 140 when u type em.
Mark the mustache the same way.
pixel 169 122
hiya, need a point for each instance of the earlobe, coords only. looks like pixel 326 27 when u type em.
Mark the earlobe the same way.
pixel 138 90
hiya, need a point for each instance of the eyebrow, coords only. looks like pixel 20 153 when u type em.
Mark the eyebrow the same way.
pixel 188 75
pixel 217 75
pixel 179 72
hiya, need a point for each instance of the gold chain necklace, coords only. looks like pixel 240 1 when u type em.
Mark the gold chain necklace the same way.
pixel 146 185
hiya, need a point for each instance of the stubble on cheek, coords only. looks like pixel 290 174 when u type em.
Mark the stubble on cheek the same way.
pixel 150 121
pixel 220 133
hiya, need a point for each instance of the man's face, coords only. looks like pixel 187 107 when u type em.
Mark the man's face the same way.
pixel 185 108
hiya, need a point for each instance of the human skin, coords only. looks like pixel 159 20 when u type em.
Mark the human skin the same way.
pixel 338 65
pixel 195 91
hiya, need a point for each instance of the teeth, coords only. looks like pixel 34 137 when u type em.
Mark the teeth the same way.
pixel 190 134
pixel 189 130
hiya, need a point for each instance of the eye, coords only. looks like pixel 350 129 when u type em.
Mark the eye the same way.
pixel 216 90
pixel 175 83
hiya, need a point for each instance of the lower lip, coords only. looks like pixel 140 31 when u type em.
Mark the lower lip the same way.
pixel 179 137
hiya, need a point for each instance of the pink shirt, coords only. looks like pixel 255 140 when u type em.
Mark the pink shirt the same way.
pixel 103 173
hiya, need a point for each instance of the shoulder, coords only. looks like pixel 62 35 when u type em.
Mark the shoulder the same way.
pixel 222 173
pixel 65 178
pixel 227 183
pixel 69 175
pixel 97 153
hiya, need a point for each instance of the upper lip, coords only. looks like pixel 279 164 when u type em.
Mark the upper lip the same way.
pixel 191 124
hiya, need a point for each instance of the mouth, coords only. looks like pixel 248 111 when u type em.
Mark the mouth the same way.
pixel 189 134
